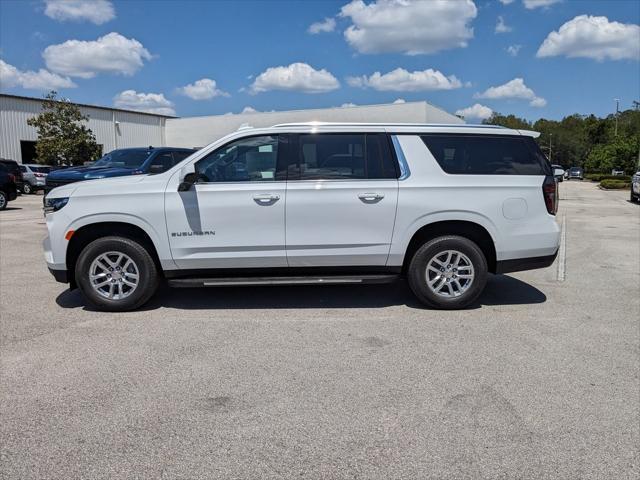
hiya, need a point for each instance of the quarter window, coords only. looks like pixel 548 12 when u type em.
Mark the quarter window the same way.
pixel 341 156
pixel 487 155
pixel 251 159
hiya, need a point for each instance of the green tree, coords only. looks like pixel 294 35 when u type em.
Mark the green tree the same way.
pixel 509 121
pixel 620 154
pixel 63 139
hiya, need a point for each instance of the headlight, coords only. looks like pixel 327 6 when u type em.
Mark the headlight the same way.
pixel 54 204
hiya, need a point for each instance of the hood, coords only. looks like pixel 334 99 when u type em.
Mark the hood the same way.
pixel 88 173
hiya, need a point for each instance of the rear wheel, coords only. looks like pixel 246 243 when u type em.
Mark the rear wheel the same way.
pixel 116 274
pixel 448 272
pixel 3 200
pixel 27 189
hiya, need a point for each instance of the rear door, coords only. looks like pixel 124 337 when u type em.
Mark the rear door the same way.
pixel 342 192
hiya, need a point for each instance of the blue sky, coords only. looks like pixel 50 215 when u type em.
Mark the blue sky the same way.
pixel 141 54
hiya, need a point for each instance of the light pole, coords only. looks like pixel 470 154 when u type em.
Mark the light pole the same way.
pixel 617 100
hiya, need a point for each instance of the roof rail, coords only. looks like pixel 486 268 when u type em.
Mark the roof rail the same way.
pixel 373 124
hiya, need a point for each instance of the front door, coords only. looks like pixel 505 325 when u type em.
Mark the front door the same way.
pixel 233 217
pixel 341 200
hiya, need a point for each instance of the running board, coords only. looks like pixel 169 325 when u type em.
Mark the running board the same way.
pixel 291 280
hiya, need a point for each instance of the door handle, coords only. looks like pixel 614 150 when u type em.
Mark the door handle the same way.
pixel 370 197
pixel 266 198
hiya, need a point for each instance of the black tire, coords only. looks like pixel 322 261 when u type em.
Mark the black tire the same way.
pixel 4 199
pixel 417 272
pixel 27 189
pixel 147 271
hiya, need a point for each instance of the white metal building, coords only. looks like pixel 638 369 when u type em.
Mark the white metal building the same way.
pixel 200 131
pixel 113 128
pixel 116 128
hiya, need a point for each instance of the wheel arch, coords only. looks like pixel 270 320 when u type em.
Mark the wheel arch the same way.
pixel 464 228
pixel 86 234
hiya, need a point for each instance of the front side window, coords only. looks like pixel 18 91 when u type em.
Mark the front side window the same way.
pixel 329 156
pixel 486 155
pixel 252 159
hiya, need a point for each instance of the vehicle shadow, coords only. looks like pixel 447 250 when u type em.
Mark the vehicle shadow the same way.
pixel 500 290
pixel 12 208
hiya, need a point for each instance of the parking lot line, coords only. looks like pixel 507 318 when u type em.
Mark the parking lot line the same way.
pixel 562 253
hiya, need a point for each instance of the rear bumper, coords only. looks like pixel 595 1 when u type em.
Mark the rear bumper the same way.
pixel 521 264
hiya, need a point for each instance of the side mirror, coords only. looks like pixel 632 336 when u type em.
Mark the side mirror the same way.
pixel 186 183
pixel 187 178
pixel 558 172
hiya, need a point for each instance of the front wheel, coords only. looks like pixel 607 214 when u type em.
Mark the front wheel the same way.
pixel 3 200
pixel 116 274
pixel 448 272
pixel 27 189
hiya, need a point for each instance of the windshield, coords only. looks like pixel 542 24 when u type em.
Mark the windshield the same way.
pixel 123 159
pixel 40 169
pixel 575 169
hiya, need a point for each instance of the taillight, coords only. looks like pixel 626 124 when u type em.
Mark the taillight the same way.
pixel 12 178
pixel 550 194
pixel 39 174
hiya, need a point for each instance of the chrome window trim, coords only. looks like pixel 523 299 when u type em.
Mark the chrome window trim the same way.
pixel 405 172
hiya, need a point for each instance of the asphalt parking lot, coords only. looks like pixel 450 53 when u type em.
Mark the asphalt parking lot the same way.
pixel 541 379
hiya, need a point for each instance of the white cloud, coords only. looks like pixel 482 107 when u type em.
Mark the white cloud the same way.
pixel 502 27
pixel 514 89
pixel 531 4
pixel 348 105
pixel 327 25
pixel 506 2
pixel 538 102
pixel 10 76
pixel 111 53
pixel 399 100
pixel 144 102
pixel 95 11
pixel 410 27
pixel 513 50
pixel 203 89
pixel 401 80
pixel 593 37
pixel 475 112
pixel 299 77
pixel 249 110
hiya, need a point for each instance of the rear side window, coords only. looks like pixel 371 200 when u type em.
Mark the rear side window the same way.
pixel 329 156
pixel 487 155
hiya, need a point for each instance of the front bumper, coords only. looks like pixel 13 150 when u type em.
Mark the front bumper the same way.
pixel 59 275
pixel 58 270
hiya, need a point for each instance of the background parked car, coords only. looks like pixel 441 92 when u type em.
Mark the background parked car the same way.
pixel 635 187
pixel 33 177
pixel 14 169
pixel 575 172
pixel 119 163
pixel 559 177
pixel 8 189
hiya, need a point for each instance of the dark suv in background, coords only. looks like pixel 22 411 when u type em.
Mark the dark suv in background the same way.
pixel 119 163
pixel 13 168
pixel 8 189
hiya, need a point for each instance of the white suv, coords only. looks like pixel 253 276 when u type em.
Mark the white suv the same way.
pixel 314 203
